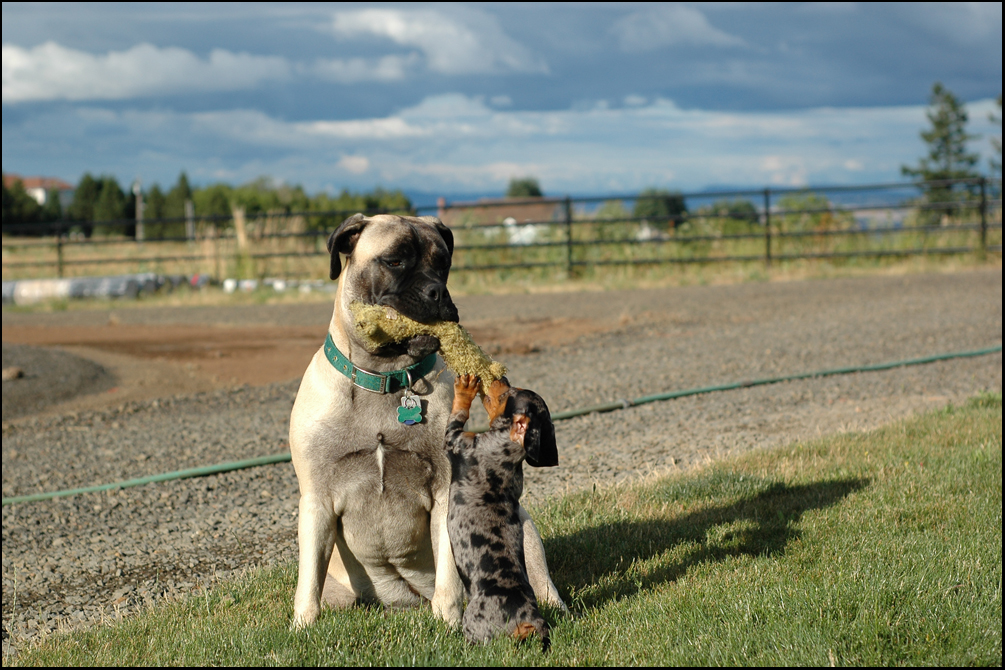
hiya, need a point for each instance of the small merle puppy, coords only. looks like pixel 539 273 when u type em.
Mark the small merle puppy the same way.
pixel 483 519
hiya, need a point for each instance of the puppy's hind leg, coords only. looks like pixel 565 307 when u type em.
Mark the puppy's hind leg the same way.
pixel 537 565
pixel 525 629
pixel 316 535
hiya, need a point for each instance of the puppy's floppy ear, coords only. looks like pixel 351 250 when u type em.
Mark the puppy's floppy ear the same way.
pixel 539 442
pixel 343 240
pixel 445 233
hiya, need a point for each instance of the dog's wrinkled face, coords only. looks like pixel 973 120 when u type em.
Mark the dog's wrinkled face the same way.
pixel 399 261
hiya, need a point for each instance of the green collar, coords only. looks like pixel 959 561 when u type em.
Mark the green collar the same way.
pixel 378 382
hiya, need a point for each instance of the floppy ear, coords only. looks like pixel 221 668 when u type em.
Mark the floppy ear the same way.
pixel 539 442
pixel 343 240
pixel 445 233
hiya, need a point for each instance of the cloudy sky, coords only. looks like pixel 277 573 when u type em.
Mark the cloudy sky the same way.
pixel 598 98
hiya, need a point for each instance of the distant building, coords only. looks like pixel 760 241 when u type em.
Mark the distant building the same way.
pixel 39 187
pixel 513 213
pixel 498 210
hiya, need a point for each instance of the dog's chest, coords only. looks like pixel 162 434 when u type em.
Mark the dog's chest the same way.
pixel 366 447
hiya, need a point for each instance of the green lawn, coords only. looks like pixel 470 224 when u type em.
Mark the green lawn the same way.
pixel 881 548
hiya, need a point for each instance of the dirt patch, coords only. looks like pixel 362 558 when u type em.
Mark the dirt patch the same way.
pixel 48 377
pixel 525 336
pixel 141 362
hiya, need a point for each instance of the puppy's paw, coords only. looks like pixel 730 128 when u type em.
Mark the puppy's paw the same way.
pixel 465 390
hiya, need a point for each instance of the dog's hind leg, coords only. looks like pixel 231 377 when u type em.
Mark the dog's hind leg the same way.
pixel 537 565
pixel 338 592
pixel 337 596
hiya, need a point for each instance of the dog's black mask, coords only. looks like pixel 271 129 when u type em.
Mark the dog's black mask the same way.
pixel 410 275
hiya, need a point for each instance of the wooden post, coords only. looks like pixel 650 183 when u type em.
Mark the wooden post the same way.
pixel 240 229
pixel 982 249
pixel 59 250
pixel 138 192
pixel 216 251
pixel 767 227
pixel 189 220
pixel 568 236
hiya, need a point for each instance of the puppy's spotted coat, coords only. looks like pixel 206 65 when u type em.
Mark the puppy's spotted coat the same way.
pixel 483 519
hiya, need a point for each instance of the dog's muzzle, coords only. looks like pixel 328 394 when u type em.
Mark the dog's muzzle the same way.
pixel 426 304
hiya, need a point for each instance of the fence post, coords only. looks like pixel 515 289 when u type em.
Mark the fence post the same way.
pixel 140 234
pixel 568 236
pixel 240 231
pixel 216 251
pixel 767 227
pixel 982 249
pixel 189 220
pixel 59 249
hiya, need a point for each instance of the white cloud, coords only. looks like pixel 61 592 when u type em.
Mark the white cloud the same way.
pixel 351 70
pixel 50 71
pixel 363 129
pixel 669 25
pixel 454 143
pixel 465 176
pixel 463 41
pixel 785 170
pixel 354 164
pixel 448 106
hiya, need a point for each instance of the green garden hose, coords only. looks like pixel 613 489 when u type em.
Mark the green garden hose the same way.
pixel 559 416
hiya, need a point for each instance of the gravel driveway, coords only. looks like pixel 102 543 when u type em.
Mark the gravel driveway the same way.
pixel 74 561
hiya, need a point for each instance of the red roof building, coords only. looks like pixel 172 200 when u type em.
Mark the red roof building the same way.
pixel 38 187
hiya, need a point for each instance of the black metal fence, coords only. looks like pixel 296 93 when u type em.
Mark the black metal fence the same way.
pixel 570 234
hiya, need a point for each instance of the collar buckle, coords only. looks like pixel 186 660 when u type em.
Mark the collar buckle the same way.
pixel 376 382
pixel 383 383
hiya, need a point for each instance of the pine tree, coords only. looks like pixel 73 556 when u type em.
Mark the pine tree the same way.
pixel 84 198
pixel 660 208
pixel 19 207
pixel 995 163
pixel 111 202
pixel 174 205
pixel 947 157
pixel 526 187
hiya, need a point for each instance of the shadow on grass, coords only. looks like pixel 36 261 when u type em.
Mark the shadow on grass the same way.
pixel 761 524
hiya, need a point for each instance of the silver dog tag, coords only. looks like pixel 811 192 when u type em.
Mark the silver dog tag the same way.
pixel 410 412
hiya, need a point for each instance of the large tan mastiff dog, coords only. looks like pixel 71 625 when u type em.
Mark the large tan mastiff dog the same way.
pixel 373 490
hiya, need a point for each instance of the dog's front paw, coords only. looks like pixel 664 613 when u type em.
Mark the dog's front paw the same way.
pixel 449 609
pixel 304 619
